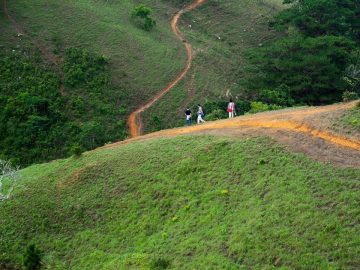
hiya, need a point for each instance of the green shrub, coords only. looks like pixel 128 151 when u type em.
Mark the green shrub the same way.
pixel 279 96
pixel 76 150
pixel 143 12
pixel 32 258
pixel 216 115
pixel 258 106
pixel 159 264
pixel 349 96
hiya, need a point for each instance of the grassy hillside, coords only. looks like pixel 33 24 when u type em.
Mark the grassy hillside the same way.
pixel 348 123
pixel 103 76
pixel 220 32
pixel 186 203
pixel 139 63
pixel 104 27
pixel 143 62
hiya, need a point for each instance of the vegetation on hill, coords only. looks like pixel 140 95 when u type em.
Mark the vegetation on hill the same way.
pixel 349 122
pixel 39 123
pixel 322 40
pixel 220 32
pixel 136 64
pixel 187 202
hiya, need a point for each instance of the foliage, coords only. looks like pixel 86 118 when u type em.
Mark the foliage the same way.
pixel 216 115
pixel 280 96
pixel 38 123
pixel 112 208
pixel 76 150
pixel 352 75
pixel 310 67
pixel 349 96
pixel 144 12
pixel 322 17
pixel 32 258
pixel 321 37
pixel 8 177
pixel 257 106
pixel 155 123
pixel 159 264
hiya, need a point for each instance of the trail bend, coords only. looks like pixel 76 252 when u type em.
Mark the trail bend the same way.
pixel 134 120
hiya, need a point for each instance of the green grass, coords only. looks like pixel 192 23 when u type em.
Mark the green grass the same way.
pixel 141 61
pixel 349 123
pixel 195 202
pixel 219 64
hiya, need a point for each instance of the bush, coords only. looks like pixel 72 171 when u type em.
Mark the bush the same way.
pixel 32 258
pixel 76 150
pixel 216 115
pixel 143 12
pixel 258 106
pixel 349 96
pixel 159 264
pixel 279 96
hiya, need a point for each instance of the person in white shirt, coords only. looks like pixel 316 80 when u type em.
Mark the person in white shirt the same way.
pixel 200 114
pixel 231 109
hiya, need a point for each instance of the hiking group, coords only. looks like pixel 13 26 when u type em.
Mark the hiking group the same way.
pixel 201 114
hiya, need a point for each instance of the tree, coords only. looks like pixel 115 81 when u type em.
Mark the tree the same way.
pixel 352 76
pixel 144 12
pixel 311 57
pixel 8 177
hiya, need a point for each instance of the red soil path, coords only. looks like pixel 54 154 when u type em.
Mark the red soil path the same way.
pixel 134 120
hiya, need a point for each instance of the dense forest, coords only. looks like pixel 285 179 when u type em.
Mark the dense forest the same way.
pixel 41 122
pixel 313 62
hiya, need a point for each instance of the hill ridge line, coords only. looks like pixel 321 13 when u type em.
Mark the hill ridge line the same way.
pixel 134 120
pixel 272 120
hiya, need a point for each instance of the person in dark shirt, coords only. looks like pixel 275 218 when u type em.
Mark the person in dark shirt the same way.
pixel 188 116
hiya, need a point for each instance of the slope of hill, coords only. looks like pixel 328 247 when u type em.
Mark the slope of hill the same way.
pixel 140 63
pixel 220 32
pixel 194 202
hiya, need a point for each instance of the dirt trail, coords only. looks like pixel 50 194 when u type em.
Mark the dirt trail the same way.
pixel 45 51
pixel 134 120
pixel 302 129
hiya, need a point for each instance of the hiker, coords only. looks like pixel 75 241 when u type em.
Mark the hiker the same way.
pixel 200 114
pixel 231 108
pixel 188 116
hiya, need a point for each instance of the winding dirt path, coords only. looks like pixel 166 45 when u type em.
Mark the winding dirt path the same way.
pixel 45 51
pixel 134 120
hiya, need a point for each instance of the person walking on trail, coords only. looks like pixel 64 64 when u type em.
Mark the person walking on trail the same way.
pixel 200 114
pixel 188 116
pixel 231 109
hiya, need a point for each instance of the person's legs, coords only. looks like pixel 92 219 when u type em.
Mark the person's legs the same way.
pixel 200 120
